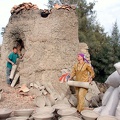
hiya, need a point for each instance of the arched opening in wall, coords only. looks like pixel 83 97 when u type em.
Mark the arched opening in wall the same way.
pixel 18 40
pixel 20 46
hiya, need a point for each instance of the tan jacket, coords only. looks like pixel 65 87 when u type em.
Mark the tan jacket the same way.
pixel 82 72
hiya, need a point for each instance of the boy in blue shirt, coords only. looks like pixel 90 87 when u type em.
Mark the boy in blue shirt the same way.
pixel 11 60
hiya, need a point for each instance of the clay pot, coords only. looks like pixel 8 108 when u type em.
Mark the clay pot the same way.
pixel 63 101
pixel 61 106
pixel 17 118
pixel 117 66
pixel 89 96
pixel 89 115
pixel 101 96
pixel 106 118
pixel 70 118
pixel 40 101
pixel 73 100
pixel 45 110
pixel 23 112
pixel 5 113
pixel 67 112
pixel 46 116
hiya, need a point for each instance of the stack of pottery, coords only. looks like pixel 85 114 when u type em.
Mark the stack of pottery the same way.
pixel 44 113
pixel 5 113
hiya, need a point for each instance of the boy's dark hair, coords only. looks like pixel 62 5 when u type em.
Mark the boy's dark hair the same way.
pixel 14 48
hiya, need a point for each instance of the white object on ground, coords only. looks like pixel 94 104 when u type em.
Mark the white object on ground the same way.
pixel 70 118
pixel 117 113
pixel 12 73
pixel 23 112
pixel 117 66
pixel 47 101
pixel 40 101
pixel 93 88
pixel 88 96
pixel 50 89
pixel 112 104
pixel 68 111
pixel 18 118
pixel 44 92
pixel 89 115
pixel 107 95
pixel 99 109
pixel 15 79
pixel 61 106
pixel 46 109
pixel 73 100
pixel 106 118
pixel 24 88
pixel 46 116
pixel 113 80
pixel 5 113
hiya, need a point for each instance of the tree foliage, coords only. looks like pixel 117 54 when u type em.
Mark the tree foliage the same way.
pixel 103 49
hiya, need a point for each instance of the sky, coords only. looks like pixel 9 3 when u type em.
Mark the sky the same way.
pixel 107 12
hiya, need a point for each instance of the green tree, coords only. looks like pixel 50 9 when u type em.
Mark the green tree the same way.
pixel 115 35
pixel 115 43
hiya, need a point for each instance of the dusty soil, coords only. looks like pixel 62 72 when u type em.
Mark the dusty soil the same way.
pixel 12 99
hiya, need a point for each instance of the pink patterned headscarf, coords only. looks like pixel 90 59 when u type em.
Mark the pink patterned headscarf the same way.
pixel 83 56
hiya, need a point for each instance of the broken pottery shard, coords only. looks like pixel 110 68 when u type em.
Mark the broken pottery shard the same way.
pixel 31 84
pixel 38 83
pixel 36 86
pixel 24 88
pixel 44 92
pixel 42 88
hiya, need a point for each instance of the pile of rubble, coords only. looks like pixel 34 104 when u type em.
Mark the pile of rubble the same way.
pixel 24 6
pixel 44 94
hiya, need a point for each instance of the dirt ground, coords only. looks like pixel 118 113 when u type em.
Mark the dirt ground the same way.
pixel 12 99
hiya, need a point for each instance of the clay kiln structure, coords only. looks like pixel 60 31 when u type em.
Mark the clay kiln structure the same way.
pixel 50 44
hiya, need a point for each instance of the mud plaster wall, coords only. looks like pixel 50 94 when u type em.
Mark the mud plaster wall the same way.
pixel 51 44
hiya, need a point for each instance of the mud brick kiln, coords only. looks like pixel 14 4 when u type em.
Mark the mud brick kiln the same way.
pixel 50 44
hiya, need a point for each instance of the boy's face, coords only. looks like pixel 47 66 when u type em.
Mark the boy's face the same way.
pixel 15 50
